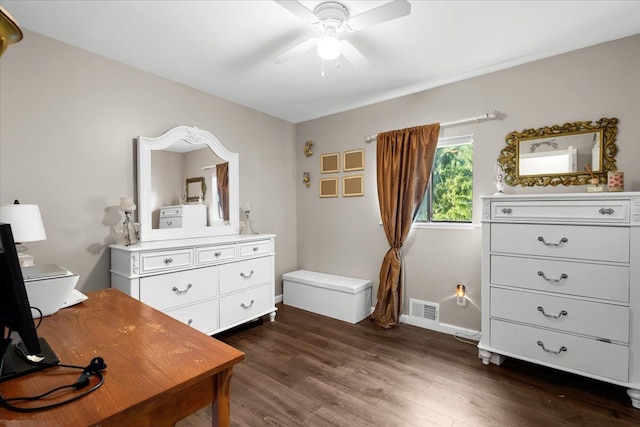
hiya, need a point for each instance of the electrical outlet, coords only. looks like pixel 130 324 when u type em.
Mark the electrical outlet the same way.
pixel 462 301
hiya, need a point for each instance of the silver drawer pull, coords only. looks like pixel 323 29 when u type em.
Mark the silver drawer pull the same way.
pixel 244 276
pixel 562 277
pixel 554 245
pixel 217 254
pixel 606 211
pixel 189 322
pixel 255 249
pixel 507 210
pixel 181 292
pixel 550 316
pixel 563 348
pixel 246 306
pixel 168 261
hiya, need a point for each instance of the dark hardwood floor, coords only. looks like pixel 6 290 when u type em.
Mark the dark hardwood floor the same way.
pixel 306 369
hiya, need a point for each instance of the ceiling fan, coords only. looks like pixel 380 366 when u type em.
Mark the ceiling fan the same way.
pixel 332 19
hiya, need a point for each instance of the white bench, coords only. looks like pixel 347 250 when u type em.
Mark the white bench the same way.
pixel 343 298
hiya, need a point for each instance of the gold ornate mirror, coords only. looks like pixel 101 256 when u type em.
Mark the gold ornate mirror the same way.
pixel 560 154
pixel 196 189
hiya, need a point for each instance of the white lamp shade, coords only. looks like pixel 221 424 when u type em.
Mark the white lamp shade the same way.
pixel 126 204
pixel 26 222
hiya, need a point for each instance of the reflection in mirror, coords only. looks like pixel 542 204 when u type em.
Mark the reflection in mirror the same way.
pixel 195 157
pixel 560 154
pixel 196 189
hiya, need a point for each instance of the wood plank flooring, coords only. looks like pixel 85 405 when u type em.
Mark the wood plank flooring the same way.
pixel 309 370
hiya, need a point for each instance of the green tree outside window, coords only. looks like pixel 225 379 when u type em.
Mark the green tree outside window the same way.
pixel 450 194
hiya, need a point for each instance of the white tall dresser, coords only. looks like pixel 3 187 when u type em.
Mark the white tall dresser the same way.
pixel 209 283
pixel 561 284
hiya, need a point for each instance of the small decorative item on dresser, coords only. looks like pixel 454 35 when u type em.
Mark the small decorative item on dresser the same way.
pixel 616 181
pixel 306 179
pixel 129 233
pixel 594 182
pixel 498 178
pixel 307 148
pixel 247 228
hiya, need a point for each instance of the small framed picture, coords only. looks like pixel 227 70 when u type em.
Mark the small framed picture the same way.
pixel 353 186
pixel 330 163
pixel 353 160
pixel 328 187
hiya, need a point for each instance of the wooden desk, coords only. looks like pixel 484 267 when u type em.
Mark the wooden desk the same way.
pixel 158 369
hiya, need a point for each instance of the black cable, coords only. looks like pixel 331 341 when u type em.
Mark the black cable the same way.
pixel 82 382
pixel 40 317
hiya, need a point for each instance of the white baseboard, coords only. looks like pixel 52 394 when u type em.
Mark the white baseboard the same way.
pixel 429 324
pixel 441 327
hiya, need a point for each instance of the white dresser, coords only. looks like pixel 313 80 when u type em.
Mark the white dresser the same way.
pixel 561 284
pixel 210 283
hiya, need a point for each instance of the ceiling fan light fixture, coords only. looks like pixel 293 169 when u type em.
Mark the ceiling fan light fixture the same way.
pixel 329 47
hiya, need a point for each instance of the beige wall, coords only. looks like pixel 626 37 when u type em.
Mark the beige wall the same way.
pixel 68 119
pixel 68 122
pixel 343 236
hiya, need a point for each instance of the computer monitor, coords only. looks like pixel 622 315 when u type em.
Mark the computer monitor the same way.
pixel 15 311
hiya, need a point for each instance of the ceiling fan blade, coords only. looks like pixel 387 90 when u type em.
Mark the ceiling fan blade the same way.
pixel 298 9
pixel 295 51
pixel 353 55
pixel 386 12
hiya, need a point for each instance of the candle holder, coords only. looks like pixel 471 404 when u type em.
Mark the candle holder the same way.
pixel 129 234
pixel 248 227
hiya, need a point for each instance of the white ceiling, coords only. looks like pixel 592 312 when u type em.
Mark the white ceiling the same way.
pixel 225 47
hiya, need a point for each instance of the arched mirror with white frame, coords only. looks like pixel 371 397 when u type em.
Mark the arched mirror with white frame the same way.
pixel 168 167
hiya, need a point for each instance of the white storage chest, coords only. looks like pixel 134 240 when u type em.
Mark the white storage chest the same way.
pixel 343 298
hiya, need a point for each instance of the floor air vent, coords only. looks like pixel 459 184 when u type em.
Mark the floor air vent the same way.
pixel 424 309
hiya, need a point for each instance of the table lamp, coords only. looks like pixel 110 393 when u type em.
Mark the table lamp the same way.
pixel 26 226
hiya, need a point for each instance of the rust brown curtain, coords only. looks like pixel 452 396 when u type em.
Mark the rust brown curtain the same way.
pixel 404 159
pixel 222 178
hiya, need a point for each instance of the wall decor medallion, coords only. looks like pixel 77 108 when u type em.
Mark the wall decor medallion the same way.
pixel 554 155
pixel 307 148
pixel 306 179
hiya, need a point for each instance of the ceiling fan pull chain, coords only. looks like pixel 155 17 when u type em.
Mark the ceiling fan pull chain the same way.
pixel 322 66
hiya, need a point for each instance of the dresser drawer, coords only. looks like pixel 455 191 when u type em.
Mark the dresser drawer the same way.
pixel 599 320
pixel 212 254
pixel 562 241
pixel 202 316
pixel 260 247
pixel 171 222
pixel 180 288
pixel 245 305
pixel 244 274
pixel 582 354
pixel 608 282
pixel 170 211
pixel 607 211
pixel 165 260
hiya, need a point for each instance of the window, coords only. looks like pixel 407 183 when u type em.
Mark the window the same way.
pixel 449 196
